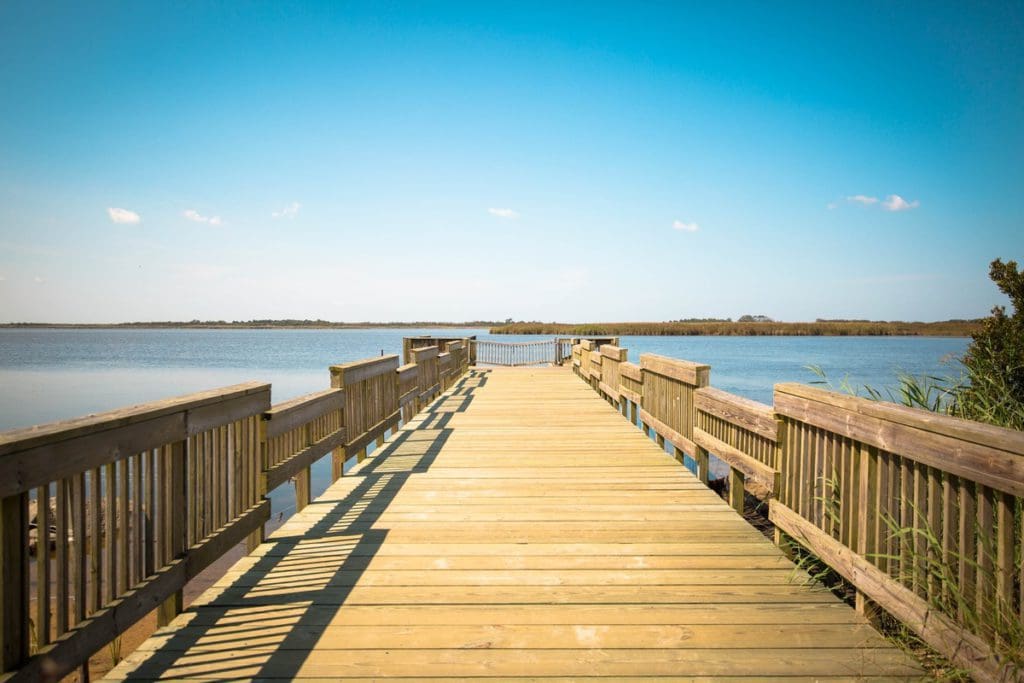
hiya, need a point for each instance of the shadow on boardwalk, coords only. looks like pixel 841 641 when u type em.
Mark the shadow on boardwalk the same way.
pixel 229 630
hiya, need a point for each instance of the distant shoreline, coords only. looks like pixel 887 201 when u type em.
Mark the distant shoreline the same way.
pixel 268 325
pixel 821 328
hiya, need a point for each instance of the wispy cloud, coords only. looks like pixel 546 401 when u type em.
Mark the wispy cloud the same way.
pixel 289 211
pixel 504 213
pixel 862 199
pixel 894 202
pixel 685 227
pixel 123 215
pixel 38 280
pixel 197 217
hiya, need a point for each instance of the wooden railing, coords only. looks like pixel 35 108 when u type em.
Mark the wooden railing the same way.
pixel 547 352
pixel 922 513
pixel 130 505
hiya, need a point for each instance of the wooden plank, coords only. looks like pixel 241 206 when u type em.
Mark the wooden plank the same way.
pixel 1009 440
pixel 284 417
pixel 366 438
pixel 610 391
pixel 88 637
pixel 614 352
pixel 631 371
pixel 14 582
pixel 53 432
pixel 362 370
pixel 998 469
pixel 751 468
pixel 695 374
pixel 935 628
pixel 55 456
pixel 291 467
pixel 489 539
pixel 667 432
pixel 750 415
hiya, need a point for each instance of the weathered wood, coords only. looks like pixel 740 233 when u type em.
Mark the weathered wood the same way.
pixel 1009 440
pixel 55 432
pixel 36 456
pixel 934 627
pixel 736 490
pixel 631 371
pixel 88 637
pixel 361 370
pixel 614 352
pixel 737 459
pixel 361 441
pixel 998 469
pixel 14 582
pixel 750 415
pixel 510 544
pixel 695 374
pixel 284 417
pixel 301 460
pixel 667 432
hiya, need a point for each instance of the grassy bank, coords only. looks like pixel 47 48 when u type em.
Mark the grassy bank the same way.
pixel 949 328
pixel 254 325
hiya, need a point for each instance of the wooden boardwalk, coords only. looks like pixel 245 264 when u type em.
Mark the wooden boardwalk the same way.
pixel 520 527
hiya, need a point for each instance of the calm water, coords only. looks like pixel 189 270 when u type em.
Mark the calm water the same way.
pixel 54 374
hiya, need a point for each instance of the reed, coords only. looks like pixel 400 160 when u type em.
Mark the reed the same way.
pixel 828 328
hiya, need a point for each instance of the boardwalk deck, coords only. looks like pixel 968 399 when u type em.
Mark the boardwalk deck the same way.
pixel 517 528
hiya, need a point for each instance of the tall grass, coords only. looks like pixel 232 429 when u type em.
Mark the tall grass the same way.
pixel 952 328
pixel 922 557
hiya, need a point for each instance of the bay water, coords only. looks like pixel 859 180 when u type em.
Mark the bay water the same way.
pixel 52 374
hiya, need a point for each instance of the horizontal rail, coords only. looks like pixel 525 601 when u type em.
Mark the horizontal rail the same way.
pixel 891 497
pixel 38 455
pixel 136 502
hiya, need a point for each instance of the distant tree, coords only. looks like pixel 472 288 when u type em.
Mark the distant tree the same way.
pixel 995 358
pixel 754 319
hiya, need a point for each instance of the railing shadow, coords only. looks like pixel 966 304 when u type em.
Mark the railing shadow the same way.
pixel 261 624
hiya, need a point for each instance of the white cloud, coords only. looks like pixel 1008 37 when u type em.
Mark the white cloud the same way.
pixel 685 227
pixel 894 202
pixel 38 280
pixel 287 212
pixel 862 199
pixel 831 205
pixel 197 217
pixel 503 213
pixel 123 215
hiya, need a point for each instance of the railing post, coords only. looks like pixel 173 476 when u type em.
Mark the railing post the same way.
pixel 340 454
pixel 780 457
pixel 865 540
pixel 177 504
pixel 701 457
pixel 14 581
pixel 262 460
pixel 303 479
pixel 737 486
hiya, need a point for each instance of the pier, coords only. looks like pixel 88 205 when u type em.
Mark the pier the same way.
pixel 498 522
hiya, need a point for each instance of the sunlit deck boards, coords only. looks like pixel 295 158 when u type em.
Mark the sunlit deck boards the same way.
pixel 518 528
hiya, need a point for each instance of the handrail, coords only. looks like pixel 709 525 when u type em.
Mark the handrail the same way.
pixel 923 513
pixel 144 498
pixel 141 499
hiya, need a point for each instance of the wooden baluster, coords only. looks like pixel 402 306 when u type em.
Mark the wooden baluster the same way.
pixel 43 522
pixel 14 582
pixel 174 493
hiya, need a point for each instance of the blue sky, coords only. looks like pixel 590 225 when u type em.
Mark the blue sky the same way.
pixel 482 161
